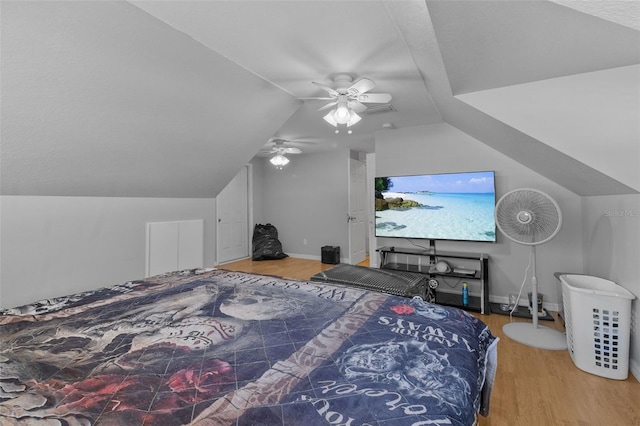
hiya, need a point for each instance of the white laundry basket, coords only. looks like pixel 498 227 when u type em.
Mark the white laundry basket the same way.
pixel 598 321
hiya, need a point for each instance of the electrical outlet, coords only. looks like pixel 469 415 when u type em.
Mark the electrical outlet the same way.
pixel 304 241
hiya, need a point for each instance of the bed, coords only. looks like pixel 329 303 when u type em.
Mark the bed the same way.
pixel 217 347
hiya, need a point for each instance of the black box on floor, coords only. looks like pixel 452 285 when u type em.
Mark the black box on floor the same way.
pixel 331 254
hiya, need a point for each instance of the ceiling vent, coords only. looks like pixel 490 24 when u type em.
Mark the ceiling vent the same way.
pixel 375 109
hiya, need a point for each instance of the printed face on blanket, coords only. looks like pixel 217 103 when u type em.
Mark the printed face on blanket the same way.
pixel 411 366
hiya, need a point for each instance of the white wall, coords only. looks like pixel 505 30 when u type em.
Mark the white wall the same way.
pixel 307 200
pixel 54 246
pixel 101 99
pixel 611 235
pixel 441 148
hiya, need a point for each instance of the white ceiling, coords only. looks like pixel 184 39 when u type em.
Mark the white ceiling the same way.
pixel 564 74
pixel 293 43
pixel 170 85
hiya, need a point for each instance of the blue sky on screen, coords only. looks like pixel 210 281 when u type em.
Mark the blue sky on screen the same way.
pixel 472 182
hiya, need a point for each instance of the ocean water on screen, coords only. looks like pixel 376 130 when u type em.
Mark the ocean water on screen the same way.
pixel 452 216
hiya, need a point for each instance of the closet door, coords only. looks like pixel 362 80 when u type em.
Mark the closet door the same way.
pixel 173 246
pixel 232 211
pixel 162 247
pixel 190 244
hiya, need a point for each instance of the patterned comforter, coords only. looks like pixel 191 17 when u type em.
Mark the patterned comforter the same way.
pixel 215 347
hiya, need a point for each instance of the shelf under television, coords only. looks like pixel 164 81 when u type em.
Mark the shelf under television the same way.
pixel 455 299
pixel 427 270
pixel 424 261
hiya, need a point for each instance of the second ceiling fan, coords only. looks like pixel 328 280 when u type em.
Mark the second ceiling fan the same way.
pixel 277 147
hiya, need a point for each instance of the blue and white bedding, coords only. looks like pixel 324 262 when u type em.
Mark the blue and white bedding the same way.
pixel 215 347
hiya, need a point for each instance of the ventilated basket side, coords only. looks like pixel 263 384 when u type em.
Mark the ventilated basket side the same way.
pixel 598 328
pixel 568 318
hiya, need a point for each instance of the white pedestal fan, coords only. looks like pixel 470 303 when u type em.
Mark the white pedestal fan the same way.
pixel 530 217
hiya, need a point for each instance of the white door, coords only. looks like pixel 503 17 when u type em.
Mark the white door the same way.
pixel 232 210
pixel 357 215
pixel 371 210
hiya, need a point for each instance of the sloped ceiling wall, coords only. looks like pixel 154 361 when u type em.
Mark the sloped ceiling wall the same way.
pixel 101 99
pixel 553 88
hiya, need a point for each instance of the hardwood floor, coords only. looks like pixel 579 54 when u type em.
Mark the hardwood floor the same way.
pixel 533 386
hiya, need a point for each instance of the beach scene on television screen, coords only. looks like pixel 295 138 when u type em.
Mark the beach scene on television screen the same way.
pixel 451 206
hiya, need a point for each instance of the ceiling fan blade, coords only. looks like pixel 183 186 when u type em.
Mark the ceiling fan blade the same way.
pixel 315 99
pixel 303 140
pixel 357 106
pixel 327 106
pixel 361 86
pixel 375 98
pixel 292 150
pixel 328 89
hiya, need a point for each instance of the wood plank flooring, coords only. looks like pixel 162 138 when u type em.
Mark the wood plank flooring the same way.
pixel 533 386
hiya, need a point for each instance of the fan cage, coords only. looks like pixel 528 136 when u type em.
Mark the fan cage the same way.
pixel 546 217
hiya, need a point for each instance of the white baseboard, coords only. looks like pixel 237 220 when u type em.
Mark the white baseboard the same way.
pixel 634 368
pixel 304 256
pixel 312 257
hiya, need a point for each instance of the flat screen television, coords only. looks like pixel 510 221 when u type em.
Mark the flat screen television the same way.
pixel 445 206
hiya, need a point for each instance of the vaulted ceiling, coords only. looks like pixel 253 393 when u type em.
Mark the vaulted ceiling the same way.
pixel 170 98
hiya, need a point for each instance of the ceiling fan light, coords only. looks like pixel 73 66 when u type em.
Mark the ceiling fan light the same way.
pixel 279 160
pixel 353 119
pixel 342 114
pixel 329 118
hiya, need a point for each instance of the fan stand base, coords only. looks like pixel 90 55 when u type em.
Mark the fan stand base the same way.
pixel 540 337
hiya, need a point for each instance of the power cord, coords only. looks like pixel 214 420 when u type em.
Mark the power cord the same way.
pixel 417 245
pixel 443 278
pixel 526 271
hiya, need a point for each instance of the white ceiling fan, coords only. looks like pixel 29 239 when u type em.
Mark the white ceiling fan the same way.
pixel 280 146
pixel 279 149
pixel 349 99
